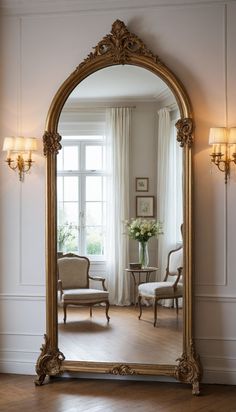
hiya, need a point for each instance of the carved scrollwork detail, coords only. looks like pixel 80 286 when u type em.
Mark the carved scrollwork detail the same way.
pixel 189 369
pixel 185 131
pixel 51 143
pixel 119 46
pixel 48 363
pixel 123 370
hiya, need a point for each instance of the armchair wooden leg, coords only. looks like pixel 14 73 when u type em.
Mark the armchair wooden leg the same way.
pixel 155 312
pixel 140 306
pixel 64 308
pixel 107 309
pixel 91 310
pixel 177 305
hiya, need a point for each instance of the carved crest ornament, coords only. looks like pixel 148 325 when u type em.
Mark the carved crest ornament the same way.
pixel 118 47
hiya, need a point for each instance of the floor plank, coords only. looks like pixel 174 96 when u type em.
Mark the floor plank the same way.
pixel 18 394
pixel 125 338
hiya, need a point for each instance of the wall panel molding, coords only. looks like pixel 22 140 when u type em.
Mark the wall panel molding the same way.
pixel 22 334
pixel 215 298
pixel 215 338
pixel 22 297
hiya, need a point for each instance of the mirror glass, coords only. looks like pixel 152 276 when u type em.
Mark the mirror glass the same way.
pixel 103 181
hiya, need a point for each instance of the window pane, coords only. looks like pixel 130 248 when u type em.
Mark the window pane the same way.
pixel 93 188
pixel 70 188
pixel 94 241
pixel 93 158
pixel 59 188
pixel 93 213
pixel 60 160
pixel 71 158
pixel 67 238
pixel 104 182
pixel 60 213
pixel 70 215
pixel 104 211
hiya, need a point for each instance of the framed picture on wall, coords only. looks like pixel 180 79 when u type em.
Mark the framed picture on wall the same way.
pixel 142 184
pixel 145 206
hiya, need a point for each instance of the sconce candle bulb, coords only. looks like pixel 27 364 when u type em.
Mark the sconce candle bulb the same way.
pixel 222 140
pixel 19 146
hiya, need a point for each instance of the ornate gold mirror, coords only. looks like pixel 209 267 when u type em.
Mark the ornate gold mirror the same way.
pixel 120 76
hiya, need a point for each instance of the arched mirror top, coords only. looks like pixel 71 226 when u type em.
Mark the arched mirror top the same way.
pixel 120 47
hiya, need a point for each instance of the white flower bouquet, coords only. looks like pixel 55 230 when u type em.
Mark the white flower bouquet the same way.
pixel 143 229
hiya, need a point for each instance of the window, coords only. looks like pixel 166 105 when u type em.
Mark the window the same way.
pixel 81 200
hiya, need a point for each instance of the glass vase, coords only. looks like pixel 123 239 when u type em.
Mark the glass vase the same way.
pixel 143 254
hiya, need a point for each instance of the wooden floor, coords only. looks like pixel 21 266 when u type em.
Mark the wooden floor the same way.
pixel 18 394
pixel 124 339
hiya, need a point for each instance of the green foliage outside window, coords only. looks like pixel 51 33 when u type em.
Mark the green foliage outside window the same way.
pixel 66 237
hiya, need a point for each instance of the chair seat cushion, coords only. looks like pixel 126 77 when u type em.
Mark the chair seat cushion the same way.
pixel 152 289
pixel 91 295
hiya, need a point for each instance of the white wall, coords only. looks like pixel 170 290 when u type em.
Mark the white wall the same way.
pixel 41 43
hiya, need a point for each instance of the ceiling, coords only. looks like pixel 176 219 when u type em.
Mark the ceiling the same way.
pixel 129 83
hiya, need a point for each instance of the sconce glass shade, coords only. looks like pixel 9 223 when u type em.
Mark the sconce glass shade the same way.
pixel 218 135
pixel 232 135
pixel 31 144
pixel 19 144
pixel 8 144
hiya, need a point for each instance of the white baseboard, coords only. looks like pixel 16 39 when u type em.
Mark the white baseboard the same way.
pixel 17 367
pixel 219 376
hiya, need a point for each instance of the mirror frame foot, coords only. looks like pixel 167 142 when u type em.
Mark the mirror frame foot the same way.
pixel 195 388
pixel 49 362
pixel 189 369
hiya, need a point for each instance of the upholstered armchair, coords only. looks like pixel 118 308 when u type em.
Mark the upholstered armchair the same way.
pixel 73 284
pixel 170 288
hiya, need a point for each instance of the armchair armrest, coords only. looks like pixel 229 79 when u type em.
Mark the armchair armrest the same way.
pixel 99 279
pixel 178 277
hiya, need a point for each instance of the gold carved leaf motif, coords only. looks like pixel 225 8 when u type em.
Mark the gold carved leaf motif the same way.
pixel 48 363
pixel 51 143
pixel 123 370
pixel 119 46
pixel 185 131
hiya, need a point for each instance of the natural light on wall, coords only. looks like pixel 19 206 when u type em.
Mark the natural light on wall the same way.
pixel 223 141
pixel 19 153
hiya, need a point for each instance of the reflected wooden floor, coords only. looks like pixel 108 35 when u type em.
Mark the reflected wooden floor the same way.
pixel 124 339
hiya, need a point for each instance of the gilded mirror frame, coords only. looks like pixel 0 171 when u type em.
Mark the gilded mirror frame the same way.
pixel 118 47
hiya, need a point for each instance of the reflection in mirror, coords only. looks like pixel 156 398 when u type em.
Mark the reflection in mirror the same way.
pixel 120 160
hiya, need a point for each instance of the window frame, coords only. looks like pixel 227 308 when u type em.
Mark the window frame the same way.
pixel 82 173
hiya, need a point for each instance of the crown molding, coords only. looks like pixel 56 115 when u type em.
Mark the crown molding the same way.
pixel 32 7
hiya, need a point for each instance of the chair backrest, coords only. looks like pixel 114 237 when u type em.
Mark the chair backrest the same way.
pixel 175 261
pixel 73 271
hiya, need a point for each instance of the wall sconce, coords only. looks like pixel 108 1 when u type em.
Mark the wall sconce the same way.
pixel 224 148
pixel 19 153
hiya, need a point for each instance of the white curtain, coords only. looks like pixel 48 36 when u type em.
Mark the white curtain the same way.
pixel 117 244
pixel 169 187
